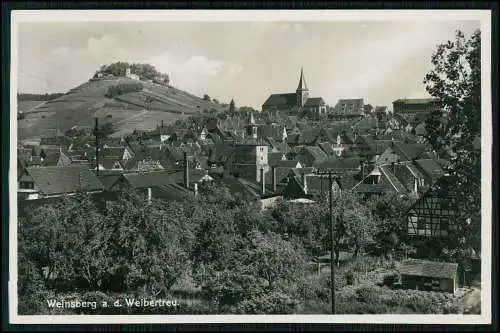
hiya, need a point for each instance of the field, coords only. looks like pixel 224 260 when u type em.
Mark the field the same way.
pixel 127 112
pixel 144 120
pixel 26 106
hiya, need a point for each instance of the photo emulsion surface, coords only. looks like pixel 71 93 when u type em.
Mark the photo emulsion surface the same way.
pixel 284 165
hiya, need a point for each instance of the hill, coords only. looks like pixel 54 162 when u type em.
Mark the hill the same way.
pixel 143 109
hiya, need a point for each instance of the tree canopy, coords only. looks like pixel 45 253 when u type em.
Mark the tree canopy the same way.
pixel 455 82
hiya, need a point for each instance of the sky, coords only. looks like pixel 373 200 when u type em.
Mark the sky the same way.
pixel 379 61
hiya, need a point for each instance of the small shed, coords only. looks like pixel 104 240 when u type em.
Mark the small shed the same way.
pixel 429 275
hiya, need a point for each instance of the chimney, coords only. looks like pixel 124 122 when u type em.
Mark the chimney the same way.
pixel 195 189
pixel 304 181
pixel 393 168
pixel 274 179
pixel 186 171
pixel 149 195
pixel 415 185
pixel 263 181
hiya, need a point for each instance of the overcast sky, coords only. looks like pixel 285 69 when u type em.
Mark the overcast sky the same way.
pixel 379 61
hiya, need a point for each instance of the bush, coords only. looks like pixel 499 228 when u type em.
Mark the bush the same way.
pixel 349 306
pixel 123 88
pixel 371 295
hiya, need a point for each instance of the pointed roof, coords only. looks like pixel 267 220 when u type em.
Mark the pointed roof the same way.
pixel 302 81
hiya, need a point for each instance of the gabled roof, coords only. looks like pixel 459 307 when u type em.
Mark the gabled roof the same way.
pixel 153 178
pixel 387 157
pixel 315 152
pixel 387 183
pixel 58 180
pixel 431 169
pixel 327 148
pixel 417 267
pixel 274 132
pixel 349 107
pixel 314 102
pixel 340 164
pixel 309 136
pixel 393 180
pixel 281 100
pixel 171 192
pixel 408 151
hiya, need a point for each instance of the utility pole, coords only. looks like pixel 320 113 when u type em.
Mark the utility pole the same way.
pixel 332 242
pixel 96 132
pixel 331 177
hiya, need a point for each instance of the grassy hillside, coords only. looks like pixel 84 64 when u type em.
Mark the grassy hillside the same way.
pixel 136 110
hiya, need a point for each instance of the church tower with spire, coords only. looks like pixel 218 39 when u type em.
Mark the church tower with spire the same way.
pixel 302 91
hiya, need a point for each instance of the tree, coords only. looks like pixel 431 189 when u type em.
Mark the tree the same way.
pixel 206 98
pixel 146 246
pixel 232 107
pixel 353 223
pixel 455 82
pixel 389 212
pixel 241 267
pixel 65 241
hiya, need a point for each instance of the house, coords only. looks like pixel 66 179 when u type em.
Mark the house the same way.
pixel 166 185
pixel 415 105
pixel 429 275
pixel 131 75
pixel 47 157
pixel 308 185
pixel 403 178
pixel 248 158
pixel 277 179
pixel 348 109
pixel 315 107
pixel 52 181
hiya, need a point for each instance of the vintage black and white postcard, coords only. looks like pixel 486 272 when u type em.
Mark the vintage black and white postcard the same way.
pixel 321 166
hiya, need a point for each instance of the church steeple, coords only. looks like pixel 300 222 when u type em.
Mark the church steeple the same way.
pixel 302 81
pixel 302 91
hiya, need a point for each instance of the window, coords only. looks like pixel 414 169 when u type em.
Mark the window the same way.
pixel 27 185
pixel 421 224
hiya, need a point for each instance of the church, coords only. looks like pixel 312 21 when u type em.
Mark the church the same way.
pixel 296 103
